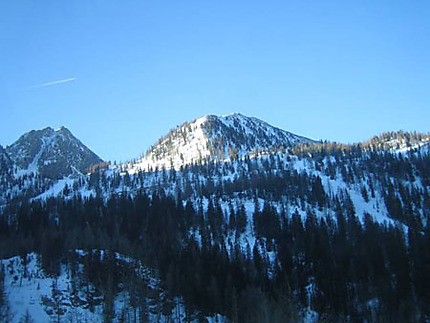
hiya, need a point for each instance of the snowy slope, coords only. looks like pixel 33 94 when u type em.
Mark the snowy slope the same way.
pixel 227 144
pixel 51 153
pixel 191 181
pixel 422 147
pixel 30 293
pixel 215 138
pixel 400 142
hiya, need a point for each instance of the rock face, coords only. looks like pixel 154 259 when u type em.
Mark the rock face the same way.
pixel 217 138
pixel 51 153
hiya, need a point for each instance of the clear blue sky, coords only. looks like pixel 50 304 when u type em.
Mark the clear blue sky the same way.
pixel 336 70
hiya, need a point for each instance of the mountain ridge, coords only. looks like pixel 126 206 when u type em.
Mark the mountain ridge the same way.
pixel 207 138
pixel 294 222
pixel 37 157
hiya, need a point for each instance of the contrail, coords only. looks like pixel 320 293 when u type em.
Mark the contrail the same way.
pixel 55 82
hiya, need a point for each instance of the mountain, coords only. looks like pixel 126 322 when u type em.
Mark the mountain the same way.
pixel 51 153
pixel 216 138
pixel 251 224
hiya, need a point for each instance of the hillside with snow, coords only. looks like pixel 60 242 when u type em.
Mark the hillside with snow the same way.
pixel 51 153
pixel 216 138
pixel 238 220
pixel 34 294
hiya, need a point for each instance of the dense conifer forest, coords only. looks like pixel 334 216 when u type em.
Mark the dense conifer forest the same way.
pixel 341 231
pixel 333 267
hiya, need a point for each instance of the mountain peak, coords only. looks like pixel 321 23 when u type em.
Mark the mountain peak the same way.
pixel 216 138
pixel 62 129
pixel 51 153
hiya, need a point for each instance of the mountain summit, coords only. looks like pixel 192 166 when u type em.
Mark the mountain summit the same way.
pixel 51 153
pixel 216 138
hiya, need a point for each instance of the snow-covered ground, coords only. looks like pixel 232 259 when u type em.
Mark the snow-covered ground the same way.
pixel 29 291
pixel 32 294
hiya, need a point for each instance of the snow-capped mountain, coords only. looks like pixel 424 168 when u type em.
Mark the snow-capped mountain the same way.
pixel 51 153
pixel 216 138
pixel 248 211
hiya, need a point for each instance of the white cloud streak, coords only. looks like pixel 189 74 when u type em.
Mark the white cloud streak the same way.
pixel 56 82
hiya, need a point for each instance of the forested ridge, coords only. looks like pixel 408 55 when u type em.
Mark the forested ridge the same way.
pixel 321 231
pixel 341 269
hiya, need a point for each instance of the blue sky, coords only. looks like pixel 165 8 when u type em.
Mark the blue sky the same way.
pixel 335 70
